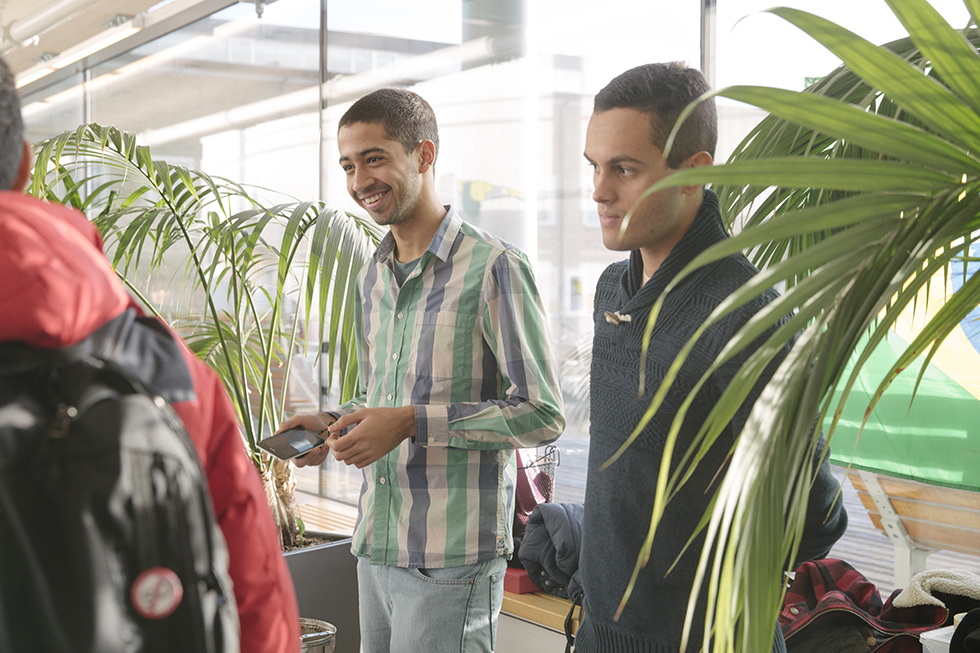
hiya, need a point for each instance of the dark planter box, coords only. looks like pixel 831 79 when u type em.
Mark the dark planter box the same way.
pixel 325 577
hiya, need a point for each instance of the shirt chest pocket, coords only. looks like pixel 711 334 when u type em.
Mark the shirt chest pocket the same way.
pixel 446 346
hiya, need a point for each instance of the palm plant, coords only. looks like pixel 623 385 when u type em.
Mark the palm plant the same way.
pixel 262 273
pixel 860 192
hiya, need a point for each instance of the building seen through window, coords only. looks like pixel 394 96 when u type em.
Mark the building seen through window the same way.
pixel 256 99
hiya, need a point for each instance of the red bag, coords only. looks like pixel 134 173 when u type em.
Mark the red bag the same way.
pixel 535 484
pixel 832 607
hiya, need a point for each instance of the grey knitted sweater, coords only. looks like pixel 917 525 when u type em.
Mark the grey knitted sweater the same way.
pixel 619 500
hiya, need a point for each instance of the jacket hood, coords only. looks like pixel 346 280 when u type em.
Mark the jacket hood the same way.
pixel 56 286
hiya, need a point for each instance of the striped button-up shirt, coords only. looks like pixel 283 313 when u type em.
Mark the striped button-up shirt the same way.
pixel 465 341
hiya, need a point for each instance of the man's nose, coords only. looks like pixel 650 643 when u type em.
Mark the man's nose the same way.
pixel 360 180
pixel 603 193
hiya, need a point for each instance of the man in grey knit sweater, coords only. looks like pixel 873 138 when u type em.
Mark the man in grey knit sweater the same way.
pixel 632 118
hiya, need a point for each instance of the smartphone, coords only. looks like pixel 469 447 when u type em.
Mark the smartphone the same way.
pixel 291 443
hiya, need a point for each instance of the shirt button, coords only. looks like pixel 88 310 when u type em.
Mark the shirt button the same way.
pixel 870 641
pixel 389 397
pixel 431 439
pixel 794 611
pixel 401 315
pixel 381 480
pixel 394 356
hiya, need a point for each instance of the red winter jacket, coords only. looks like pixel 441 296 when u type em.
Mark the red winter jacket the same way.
pixel 56 288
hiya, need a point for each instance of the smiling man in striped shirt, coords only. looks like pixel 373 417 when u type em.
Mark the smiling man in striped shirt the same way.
pixel 457 369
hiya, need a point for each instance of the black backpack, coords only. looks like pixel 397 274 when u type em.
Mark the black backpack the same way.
pixel 108 540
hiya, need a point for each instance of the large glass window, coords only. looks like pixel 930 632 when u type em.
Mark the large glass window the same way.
pixel 234 95
pixel 257 100
pixel 54 109
pixel 512 85
pixel 755 47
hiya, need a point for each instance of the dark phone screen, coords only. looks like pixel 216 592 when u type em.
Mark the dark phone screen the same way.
pixel 291 443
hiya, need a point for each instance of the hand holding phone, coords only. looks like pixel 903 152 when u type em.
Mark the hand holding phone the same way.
pixel 292 443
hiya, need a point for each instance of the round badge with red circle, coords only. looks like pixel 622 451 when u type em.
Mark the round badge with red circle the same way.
pixel 156 593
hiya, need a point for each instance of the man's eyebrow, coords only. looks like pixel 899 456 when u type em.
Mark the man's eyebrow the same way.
pixel 623 159
pixel 616 160
pixel 364 153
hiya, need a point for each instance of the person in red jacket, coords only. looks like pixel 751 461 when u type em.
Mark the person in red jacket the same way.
pixel 57 288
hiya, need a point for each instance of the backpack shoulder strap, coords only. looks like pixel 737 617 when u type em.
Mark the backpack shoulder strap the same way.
pixel 143 349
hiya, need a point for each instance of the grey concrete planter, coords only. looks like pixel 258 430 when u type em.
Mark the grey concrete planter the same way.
pixel 325 577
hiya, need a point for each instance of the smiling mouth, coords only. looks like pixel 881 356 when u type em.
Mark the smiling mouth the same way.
pixel 372 199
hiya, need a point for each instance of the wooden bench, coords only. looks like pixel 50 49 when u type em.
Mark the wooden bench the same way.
pixel 534 622
pixel 919 519
pixel 541 608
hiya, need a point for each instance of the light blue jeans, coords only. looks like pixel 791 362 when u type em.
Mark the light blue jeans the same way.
pixel 430 610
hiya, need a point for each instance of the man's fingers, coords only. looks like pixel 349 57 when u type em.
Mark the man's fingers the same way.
pixel 344 421
pixel 312 458
pixel 291 423
pixel 314 423
pixel 358 460
pixel 365 460
pixel 351 451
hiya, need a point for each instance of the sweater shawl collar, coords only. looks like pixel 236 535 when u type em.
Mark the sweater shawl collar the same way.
pixel 706 230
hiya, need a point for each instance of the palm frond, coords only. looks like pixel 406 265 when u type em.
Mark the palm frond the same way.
pixel 261 273
pixel 857 194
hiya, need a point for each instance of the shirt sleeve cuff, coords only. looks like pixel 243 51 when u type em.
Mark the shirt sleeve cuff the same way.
pixel 335 414
pixel 432 426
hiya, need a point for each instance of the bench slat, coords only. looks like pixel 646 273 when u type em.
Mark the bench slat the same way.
pixel 932 518
pixel 913 490
pixel 935 536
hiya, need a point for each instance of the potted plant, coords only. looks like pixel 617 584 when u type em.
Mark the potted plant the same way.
pixel 859 191
pixel 240 278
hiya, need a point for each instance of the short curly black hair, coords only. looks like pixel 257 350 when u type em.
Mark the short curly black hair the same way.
pixel 405 116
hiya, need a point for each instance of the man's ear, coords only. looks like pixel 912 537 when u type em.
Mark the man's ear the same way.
pixel 696 161
pixel 24 170
pixel 427 156
pixel 700 159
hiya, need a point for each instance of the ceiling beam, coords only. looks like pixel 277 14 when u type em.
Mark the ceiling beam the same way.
pixel 21 31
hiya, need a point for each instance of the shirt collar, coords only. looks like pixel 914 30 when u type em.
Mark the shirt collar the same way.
pixel 442 242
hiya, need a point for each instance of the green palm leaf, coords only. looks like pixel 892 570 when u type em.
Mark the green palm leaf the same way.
pixel 856 194
pixel 928 99
pixel 250 277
